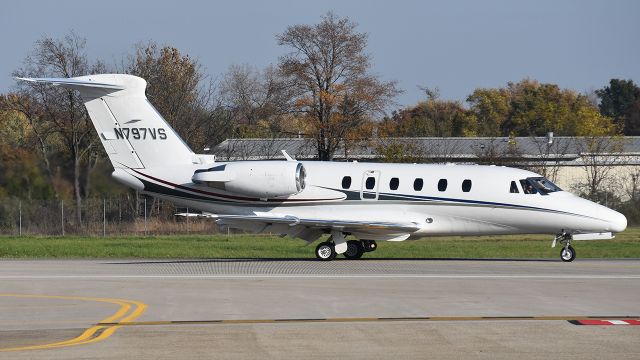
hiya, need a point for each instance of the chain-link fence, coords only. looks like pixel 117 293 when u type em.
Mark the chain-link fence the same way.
pixel 113 216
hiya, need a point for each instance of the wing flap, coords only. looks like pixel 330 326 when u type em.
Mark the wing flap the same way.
pixel 344 225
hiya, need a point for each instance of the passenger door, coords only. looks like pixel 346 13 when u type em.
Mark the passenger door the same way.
pixel 370 185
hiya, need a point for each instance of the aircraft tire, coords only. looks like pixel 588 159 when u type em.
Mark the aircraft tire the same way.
pixel 369 245
pixel 325 251
pixel 354 250
pixel 568 254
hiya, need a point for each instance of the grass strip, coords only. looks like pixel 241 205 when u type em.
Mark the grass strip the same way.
pixel 625 245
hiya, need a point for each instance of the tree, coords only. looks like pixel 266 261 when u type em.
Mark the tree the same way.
pixel 58 115
pixel 528 108
pixel 550 154
pixel 537 109
pixel 632 186
pixel 330 73
pixel 632 120
pixel 258 100
pixel 432 117
pixel 180 90
pixel 600 145
pixel 41 133
pixel 394 151
pixel 21 173
pixel 498 152
pixel 491 109
pixel 621 101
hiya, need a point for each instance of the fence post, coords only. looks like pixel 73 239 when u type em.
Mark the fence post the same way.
pixel 20 218
pixel 104 217
pixel 188 220
pixel 62 215
pixel 145 216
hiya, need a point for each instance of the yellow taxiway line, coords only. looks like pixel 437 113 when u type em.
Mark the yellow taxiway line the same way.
pixel 95 333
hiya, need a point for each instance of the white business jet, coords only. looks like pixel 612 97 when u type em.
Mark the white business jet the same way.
pixel 370 201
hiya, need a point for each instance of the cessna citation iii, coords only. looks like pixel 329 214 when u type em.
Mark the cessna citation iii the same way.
pixel 370 201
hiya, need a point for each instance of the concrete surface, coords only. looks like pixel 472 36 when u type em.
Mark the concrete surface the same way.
pixel 73 296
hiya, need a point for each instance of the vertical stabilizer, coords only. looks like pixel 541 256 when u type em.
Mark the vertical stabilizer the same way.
pixel 133 133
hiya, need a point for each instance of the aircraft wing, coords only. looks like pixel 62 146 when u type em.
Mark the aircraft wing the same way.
pixel 311 229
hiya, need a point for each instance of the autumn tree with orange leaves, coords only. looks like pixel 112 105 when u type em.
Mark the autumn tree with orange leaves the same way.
pixel 334 87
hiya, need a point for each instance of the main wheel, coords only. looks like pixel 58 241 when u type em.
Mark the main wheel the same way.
pixel 325 251
pixel 568 254
pixel 369 245
pixel 354 250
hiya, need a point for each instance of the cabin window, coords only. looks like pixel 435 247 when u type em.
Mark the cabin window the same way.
pixel 370 183
pixel 346 182
pixel 466 185
pixel 417 184
pixel 442 185
pixel 514 188
pixel 394 183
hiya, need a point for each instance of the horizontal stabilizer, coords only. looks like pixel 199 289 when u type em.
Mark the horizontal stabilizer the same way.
pixel 73 83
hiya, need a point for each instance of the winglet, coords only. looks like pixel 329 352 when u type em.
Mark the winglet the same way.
pixel 287 156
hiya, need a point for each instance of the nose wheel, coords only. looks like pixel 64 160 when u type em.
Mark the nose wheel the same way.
pixel 568 253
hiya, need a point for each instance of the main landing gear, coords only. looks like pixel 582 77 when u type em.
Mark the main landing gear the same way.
pixel 326 251
pixel 568 253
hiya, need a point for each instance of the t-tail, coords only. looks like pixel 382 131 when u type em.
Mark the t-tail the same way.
pixel 133 133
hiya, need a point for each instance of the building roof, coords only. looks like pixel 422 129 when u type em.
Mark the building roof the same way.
pixel 439 149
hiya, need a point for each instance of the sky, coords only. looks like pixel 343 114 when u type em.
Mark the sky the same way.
pixel 456 46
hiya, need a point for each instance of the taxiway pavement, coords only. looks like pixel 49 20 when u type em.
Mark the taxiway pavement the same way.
pixel 255 308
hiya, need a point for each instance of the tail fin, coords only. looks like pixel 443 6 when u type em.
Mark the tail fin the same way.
pixel 133 133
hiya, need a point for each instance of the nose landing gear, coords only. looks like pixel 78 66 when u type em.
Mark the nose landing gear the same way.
pixel 568 253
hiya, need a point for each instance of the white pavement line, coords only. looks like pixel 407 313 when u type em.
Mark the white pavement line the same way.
pixel 318 276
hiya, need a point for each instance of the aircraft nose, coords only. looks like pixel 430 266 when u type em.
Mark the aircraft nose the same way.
pixel 617 222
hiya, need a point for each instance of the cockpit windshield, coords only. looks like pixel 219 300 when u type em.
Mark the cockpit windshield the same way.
pixel 540 185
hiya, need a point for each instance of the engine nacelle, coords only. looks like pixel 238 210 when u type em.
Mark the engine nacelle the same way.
pixel 261 179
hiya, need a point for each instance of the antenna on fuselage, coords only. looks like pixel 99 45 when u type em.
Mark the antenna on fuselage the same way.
pixel 287 156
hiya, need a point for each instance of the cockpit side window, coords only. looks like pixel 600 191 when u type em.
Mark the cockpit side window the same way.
pixel 544 185
pixel 514 188
pixel 527 187
pixel 541 185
